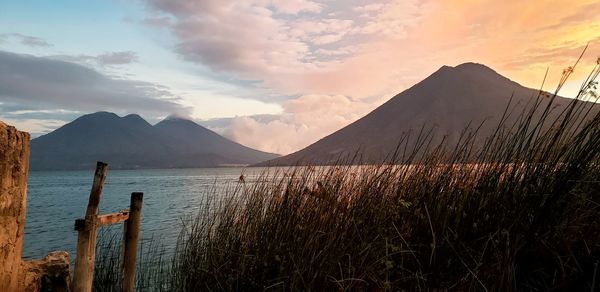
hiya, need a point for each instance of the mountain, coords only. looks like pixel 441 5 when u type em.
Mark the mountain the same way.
pixel 448 101
pixel 131 142
pixel 196 141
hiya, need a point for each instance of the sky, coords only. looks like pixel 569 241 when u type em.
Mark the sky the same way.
pixel 275 75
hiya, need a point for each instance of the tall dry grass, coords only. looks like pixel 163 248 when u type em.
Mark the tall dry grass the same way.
pixel 520 213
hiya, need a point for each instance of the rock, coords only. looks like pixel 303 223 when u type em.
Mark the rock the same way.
pixel 48 274
pixel 14 161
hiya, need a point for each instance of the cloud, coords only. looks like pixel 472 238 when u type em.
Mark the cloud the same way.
pixel 242 39
pixel 29 83
pixel 25 40
pixel 296 6
pixel 326 62
pixel 282 45
pixel 305 120
pixel 395 43
pixel 37 122
pixel 223 125
pixel 560 54
pixel 337 60
pixel 35 127
pixel 117 58
pixel 105 59
pixel 211 7
pixel 158 22
pixel 369 8
pixel 583 14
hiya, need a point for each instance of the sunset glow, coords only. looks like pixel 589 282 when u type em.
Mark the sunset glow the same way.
pixel 275 75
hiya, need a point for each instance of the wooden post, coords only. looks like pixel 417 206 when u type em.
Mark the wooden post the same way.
pixel 86 241
pixel 83 275
pixel 130 241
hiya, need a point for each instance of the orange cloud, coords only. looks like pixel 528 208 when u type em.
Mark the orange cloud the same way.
pixel 366 53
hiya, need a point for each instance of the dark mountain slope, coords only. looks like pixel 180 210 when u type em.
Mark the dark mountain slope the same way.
pixel 195 140
pixel 131 142
pixel 448 101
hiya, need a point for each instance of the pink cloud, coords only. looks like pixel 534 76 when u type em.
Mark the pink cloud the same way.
pixel 304 120
pixel 369 49
pixel 296 6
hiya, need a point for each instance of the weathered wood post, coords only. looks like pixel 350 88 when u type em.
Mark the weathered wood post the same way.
pixel 86 240
pixel 130 241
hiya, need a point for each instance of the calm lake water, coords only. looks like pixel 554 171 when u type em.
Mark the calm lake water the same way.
pixel 55 199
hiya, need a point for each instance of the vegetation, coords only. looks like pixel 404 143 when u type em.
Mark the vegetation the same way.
pixel 520 213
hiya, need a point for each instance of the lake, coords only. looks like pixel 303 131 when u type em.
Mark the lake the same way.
pixel 56 198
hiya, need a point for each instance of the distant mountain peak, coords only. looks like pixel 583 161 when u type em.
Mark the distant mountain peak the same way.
pixel 101 114
pixel 177 117
pixel 177 121
pixel 476 68
pixel 131 142
pixel 472 73
pixel 472 65
pixel 467 66
pixel 133 116
pixel 104 117
pixel 449 100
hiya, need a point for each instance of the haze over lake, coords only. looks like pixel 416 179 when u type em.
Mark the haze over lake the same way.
pixel 56 198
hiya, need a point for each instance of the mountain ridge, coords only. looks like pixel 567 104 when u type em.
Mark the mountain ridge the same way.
pixel 130 142
pixel 447 101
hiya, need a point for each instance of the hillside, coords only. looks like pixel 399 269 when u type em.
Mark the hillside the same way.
pixel 130 142
pixel 448 101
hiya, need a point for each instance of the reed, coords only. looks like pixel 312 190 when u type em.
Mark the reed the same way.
pixel 521 212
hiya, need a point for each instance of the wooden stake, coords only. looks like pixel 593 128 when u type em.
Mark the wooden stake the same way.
pixel 86 241
pixel 130 240
pixel 113 218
